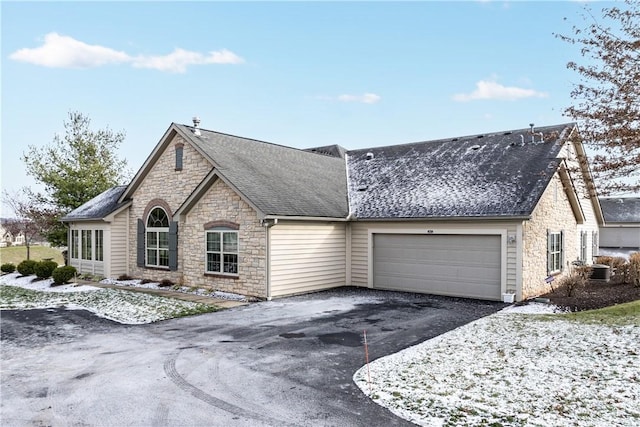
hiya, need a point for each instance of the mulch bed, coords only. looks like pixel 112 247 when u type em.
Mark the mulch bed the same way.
pixel 596 294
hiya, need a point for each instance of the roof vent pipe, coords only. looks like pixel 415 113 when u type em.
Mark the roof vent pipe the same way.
pixel 532 132
pixel 521 139
pixel 196 126
pixel 541 137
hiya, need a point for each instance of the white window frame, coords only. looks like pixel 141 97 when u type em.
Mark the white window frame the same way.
pixel 555 252
pixel 75 244
pixel 224 268
pixel 99 245
pixel 583 246
pixel 86 244
pixel 159 251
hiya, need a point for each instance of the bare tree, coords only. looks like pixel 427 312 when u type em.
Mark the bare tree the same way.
pixel 28 221
pixel 606 100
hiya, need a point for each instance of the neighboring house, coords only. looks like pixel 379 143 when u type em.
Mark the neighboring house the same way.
pixel 476 216
pixel 9 237
pixel 621 230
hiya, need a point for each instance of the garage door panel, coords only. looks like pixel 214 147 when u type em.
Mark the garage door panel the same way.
pixel 457 265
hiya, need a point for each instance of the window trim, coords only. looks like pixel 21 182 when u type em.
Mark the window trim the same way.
pixel 86 244
pixel 157 249
pixel 75 244
pixel 99 245
pixel 555 256
pixel 584 240
pixel 222 252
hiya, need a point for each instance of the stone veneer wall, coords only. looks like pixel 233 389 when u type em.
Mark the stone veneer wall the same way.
pixel 221 203
pixel 552 213
pixel 173 186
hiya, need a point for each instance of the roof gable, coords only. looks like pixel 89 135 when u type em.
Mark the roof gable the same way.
pixel 498 175
pixel 277 180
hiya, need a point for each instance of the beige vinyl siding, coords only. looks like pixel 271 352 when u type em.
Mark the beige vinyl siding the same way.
pixel 307 257
pixel 590 224
pixel 360 244
pixel 359 254
pixel 118 245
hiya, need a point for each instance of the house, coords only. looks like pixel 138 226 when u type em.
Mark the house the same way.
pixel 10 234
pixel 477 216
pixel 621 231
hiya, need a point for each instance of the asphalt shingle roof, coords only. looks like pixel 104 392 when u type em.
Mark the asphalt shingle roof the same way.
pixel 278 180
pixel 623 209
pixel 475 176
pixel 98 207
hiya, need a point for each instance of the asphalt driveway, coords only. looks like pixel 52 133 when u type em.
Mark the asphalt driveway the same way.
pixel 285 362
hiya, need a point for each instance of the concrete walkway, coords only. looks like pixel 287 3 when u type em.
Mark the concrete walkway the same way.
pixel 218 302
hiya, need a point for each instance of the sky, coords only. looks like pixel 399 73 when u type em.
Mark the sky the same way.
pixel 301 74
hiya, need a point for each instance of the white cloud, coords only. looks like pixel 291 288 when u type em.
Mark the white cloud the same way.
pixel 490 89
pixel 366 98
pixel 178 60
pixel 66 52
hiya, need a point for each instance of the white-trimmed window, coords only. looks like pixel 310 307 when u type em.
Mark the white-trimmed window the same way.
pixel 221 252
pixel 99 245
pixel 583 246
pixel 555 251
pixel 74 244
pixel 85 243
pixel 157 238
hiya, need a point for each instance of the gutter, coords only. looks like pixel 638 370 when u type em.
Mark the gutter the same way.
pixel 457 218
pixel 304 218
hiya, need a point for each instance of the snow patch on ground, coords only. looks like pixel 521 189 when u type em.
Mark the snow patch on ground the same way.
pixel 113 304
pixel 184 289
pixel 29 282
pixel 514 369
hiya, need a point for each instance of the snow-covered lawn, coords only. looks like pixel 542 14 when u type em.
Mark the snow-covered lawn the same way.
pixel 184 289
pixel 514 369
pixel 121 306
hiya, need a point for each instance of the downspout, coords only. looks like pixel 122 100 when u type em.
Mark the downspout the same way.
pixel 267 262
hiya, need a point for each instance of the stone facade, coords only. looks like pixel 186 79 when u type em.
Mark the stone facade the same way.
pixel 165 186
pixel 220 206
pixel 553 213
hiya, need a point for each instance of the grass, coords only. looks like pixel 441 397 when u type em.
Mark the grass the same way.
pixel 119 305
pixel 17 254
pixel 621 314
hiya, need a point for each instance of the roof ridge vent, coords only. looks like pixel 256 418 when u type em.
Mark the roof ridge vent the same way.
pixel 196 126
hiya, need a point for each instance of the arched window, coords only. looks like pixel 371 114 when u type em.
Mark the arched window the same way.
pixel 157 238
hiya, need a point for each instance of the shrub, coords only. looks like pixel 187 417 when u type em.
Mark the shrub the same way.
pixel 62 275
pixel 145 281
pixel 7 268
pixel 44 269
pixel 124 277
pixel 619 267
pixel 578 278
pixel 27 267
pixel 634 268
pixel 165 283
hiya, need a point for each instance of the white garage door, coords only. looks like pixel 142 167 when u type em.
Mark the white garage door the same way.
pixel 456 265
pixel 627 237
